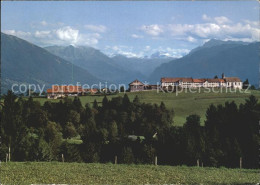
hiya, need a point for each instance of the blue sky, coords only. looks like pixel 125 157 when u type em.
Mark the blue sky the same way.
pixel 132 28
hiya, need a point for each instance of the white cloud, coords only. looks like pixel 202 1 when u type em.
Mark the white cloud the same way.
pixel 191 39
pixel 96 28
pixel 217 27
pixel 17 33
pixel 222 20
pixel 62 36
pixel 123 50
pixel 179 29
pixel 153 29
pixel 137 36
pixel 10 32
pixel 239 39
pixel 42 34
pixel 43 23
pixel 252 23
pixel 68 34
pixel 172 52
pixel 147 48
pixel 206 18
pixel 129 52
pixel 217 20
pixel 205 30
pixel 88 39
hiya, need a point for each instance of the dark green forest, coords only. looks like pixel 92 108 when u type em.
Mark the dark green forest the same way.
pixel 135 132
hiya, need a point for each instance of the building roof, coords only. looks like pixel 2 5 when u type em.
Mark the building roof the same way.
pixel 232 79
pixel 91 90
pixel 173 80
pixel 198 80
pixel 186 80
pixel 136 83
pixel 215 80
pixel 65 89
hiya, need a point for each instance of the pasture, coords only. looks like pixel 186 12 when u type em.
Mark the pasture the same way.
pixel 92 173
pixel 183 103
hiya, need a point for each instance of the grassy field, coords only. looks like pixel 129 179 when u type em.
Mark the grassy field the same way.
pixel 184 104
pixel 82 173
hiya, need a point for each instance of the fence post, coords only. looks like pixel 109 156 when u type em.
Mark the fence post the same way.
pixel 62 158
pixel 9 155
pixel 202 164
pixel 115 159
pixel 198 163
pixel 240 162
pixel 6 157
pixel 155 161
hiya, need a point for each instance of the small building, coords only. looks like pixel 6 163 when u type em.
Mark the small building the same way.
pixel 151 87
pixel 169 83
pixel 90 91
pixel 60 91
pixel 233 82
pixel 136 86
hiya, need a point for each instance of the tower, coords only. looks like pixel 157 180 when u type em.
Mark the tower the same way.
pixel 223 75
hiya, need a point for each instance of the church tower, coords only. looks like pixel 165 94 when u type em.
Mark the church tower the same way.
pixel 223 75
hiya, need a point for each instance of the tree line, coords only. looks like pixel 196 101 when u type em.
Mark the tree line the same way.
pixel 135 132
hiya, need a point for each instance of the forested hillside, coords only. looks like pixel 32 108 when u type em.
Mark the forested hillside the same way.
pixel 135 132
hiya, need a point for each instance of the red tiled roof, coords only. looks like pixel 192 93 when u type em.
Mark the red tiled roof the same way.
pixel 65 89
pixel 173 80
pixel 170 80
pixel 216 80
pixel 232 79
pixel 199 80
pixel 187 80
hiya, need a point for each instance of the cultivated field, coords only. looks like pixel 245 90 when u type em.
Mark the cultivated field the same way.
pixel 82 173
pixel 184 104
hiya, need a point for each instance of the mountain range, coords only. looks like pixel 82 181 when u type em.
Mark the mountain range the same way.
pixel 96 63
pixel 23 62
pixel 214 58
pixel 145 66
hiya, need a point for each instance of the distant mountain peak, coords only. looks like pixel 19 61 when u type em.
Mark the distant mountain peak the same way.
pixel 216 42
pixel 160 54
pixel 213 42
pixel 33 64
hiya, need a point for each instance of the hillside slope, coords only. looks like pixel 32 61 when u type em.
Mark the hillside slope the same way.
pixel 23 62
pixel 97 63
pixel 241 60
pixel 142 65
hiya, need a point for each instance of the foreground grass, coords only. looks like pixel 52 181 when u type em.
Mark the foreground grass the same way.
pixel 184 104
pixel 82 173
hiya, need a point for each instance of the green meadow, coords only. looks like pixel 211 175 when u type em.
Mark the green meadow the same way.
pixel 183 103
pixel 92 173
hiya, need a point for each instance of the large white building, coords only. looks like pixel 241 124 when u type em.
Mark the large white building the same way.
pixel 229 82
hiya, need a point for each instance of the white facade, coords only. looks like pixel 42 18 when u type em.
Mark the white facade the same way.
pixel 235 85
pixel 230 82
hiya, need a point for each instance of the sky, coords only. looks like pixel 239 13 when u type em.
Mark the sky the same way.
pixel 131 28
